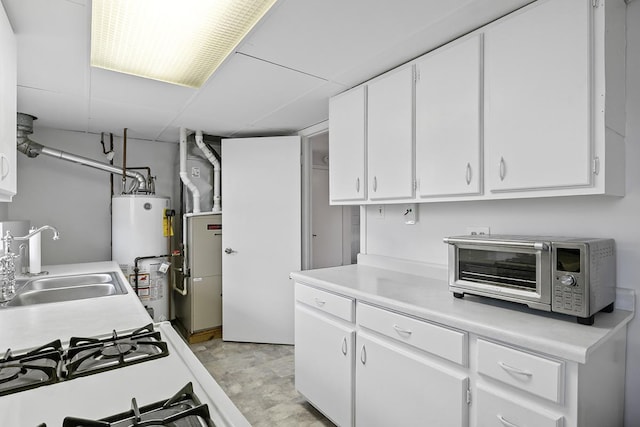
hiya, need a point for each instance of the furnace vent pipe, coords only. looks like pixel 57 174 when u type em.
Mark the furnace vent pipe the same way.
pixel 33 149
pixel 216 170
pixel 183 171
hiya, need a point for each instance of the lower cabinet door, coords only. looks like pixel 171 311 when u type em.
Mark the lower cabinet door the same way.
pixel 396 387
pixel 498 411
pixel 324 363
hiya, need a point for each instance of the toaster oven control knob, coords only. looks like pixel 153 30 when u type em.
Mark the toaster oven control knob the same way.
pixel 568 280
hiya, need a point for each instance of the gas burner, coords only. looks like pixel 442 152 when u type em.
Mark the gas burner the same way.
pixel 86 356
pixel 182 410
pixel 30 370
pixel 10 373
pixel 118 349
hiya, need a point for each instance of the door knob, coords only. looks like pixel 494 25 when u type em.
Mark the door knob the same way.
pixel 228 251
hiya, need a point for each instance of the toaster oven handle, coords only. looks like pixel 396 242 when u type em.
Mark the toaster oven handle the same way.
pixel 538 246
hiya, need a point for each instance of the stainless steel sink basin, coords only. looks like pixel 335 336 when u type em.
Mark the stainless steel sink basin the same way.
pixel 66 288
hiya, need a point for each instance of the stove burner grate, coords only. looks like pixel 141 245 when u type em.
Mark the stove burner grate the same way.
pixel 86 356
pixel 182 410
pixel 30 370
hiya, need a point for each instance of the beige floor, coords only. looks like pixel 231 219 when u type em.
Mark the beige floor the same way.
pixel 259 380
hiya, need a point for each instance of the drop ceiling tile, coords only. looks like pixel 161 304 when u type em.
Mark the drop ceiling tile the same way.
pixel 308 110
pixel 324 38
pixel 54 110
pixel 170 134
pixel 53 44
pixel 146 93
pixel 142 123
pixel 242 91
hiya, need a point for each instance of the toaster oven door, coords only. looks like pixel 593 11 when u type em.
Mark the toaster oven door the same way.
pixel 513 271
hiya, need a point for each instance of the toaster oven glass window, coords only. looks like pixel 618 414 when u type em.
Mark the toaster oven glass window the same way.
pixel 568 260
pixel 507 269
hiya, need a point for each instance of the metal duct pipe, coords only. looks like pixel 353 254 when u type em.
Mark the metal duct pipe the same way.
pixel 183 171
pixel 216 170
pixel 33 149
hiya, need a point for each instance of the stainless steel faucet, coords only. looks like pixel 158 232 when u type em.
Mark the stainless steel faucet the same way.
pixel 34 231
pixel 7 260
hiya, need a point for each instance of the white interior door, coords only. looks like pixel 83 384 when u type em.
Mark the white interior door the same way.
pixel 261 237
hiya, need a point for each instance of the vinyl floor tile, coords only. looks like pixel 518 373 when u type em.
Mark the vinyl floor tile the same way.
pixel 259 379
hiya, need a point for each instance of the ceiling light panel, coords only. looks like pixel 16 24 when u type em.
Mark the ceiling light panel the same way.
pixel 174 41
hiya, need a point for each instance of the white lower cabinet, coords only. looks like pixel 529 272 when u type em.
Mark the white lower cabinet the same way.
pixel 365 365
pixel 398 387
pixel 324 361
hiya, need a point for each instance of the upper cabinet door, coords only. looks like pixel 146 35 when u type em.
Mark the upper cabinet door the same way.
pixel 390 136
pixel 448 120
pixel 8 105
pixel 347 155
pixel 537 98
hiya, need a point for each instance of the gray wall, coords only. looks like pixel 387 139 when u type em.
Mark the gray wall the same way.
pixel 596 216
pixel 76 199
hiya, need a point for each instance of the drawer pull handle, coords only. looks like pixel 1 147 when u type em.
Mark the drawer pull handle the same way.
pixel 467 176
pixel 515 370
pixel 402 331
pixel 363 356
pixel 344 346
pixel 505 422
pixel 357 185
pixel 319 302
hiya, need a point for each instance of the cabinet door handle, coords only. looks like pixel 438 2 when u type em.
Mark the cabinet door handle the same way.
pixel 375 184
pixel 344 346
pixel 467 176
pixel 503 169
pixel 505 422
pixel 319 302
pixel 4 171
pixel 363 355
pixel 357 185
pixel 516 371
pixel 402 331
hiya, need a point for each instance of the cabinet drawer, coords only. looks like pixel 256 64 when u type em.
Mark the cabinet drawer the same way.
pixel 327 302
pixel 446 343
pixel 496 411
pixel 535 374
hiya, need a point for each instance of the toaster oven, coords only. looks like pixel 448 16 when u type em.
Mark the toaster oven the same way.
pixel 573 276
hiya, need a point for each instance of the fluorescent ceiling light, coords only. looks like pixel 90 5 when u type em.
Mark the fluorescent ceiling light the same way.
pixel 175 41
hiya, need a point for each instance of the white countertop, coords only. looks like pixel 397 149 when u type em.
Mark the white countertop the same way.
pixel 31 326
pixel 430 299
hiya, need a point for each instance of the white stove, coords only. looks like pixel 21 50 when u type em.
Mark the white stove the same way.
pixel 109 390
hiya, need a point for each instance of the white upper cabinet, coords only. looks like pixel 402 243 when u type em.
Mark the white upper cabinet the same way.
pixel 390 136
pixel 530 105
pixel 347 155
pixel 448 120
pixel 8 81
pixel 538 91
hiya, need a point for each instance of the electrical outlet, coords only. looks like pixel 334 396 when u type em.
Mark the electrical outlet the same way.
pixel 478 230
pixel 380 211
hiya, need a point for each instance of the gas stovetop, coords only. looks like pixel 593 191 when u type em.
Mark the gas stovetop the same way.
pixel 51 363
pixel 93 381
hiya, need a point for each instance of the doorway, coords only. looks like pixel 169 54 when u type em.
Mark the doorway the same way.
pixel 333 232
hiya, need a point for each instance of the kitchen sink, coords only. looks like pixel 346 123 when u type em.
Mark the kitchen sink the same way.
pixel 66 288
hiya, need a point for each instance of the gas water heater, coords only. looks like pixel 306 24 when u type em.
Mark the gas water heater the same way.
pixel 138 231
